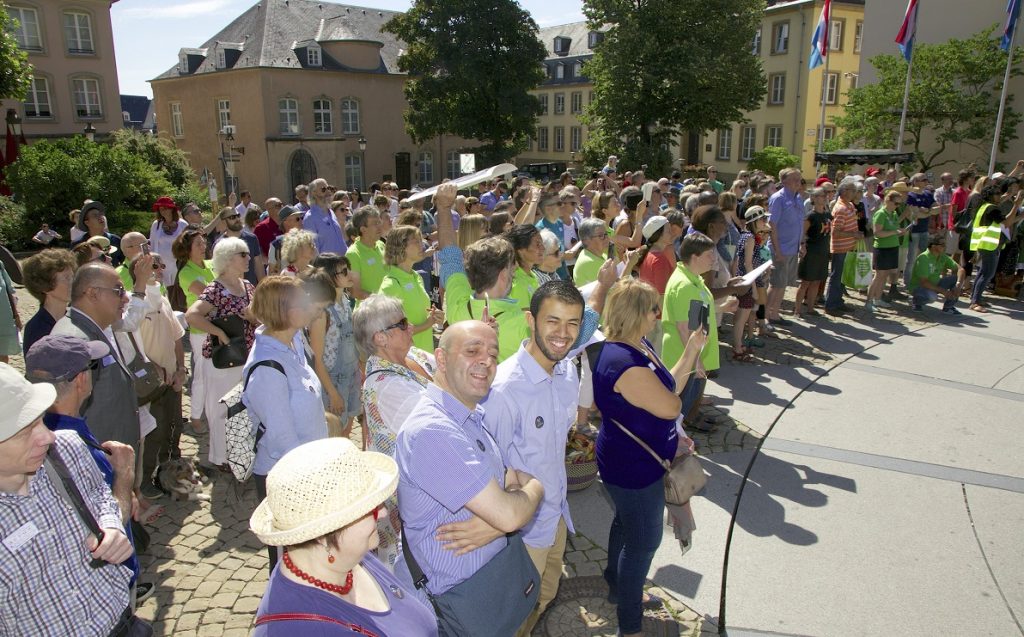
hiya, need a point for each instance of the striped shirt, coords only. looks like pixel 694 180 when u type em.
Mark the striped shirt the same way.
pixel 844 219
pixel 46 584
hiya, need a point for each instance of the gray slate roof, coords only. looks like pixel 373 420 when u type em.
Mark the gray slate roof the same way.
pixel 576 31
pixel 269 28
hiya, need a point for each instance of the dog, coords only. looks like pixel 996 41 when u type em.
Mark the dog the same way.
pixel 181 479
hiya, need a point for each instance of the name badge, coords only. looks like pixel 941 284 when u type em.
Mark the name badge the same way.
pixel 408 286
pixel 107 360
pixel 21 536
pixel 141 373
pixel 371 261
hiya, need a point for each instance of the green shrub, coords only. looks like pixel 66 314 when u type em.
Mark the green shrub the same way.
pixel 16 229
pixel 157 152
pixel 124 221
pixel 772 159
pixel 191 192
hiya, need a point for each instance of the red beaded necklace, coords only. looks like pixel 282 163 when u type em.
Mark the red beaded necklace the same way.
pixel 333 588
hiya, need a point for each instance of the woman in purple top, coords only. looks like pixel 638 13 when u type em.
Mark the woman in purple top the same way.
pixel 634 388
pixel 323 501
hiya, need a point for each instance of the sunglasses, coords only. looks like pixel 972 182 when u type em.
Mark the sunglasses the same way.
pixel 402 325
pixel 119 290
pixel 655 308
pixel 159 266
pixel 234 216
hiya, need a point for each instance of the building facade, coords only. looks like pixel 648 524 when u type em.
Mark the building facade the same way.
pixel 938 21
pixel 292 90
pixel 70 45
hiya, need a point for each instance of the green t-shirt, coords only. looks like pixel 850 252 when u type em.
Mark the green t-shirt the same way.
pixel 408 288
pixel 682 287
pixel 888 221
pixel 190 274
pixel 587 266
pixel 524 284
pixel 368 261
pixel 459 305
pixel 930 267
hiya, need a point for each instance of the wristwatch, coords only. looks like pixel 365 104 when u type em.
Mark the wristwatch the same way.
pixel 139 295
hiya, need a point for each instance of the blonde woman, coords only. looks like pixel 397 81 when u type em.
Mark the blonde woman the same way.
pixel 471 229
pixel 403 248
pixel 297 251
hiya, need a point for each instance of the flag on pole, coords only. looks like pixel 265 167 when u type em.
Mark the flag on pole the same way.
pixel 819 43
pixel 905 38
pixel 1012 13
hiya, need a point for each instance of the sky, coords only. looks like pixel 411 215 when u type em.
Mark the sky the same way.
pixel 148 33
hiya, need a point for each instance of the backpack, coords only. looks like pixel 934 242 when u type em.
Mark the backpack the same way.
pixel 239 430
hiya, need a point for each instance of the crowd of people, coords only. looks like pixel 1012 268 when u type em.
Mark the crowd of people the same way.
pixel 469 333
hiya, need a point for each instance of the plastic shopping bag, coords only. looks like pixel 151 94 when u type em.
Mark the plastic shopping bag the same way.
pixel 857 268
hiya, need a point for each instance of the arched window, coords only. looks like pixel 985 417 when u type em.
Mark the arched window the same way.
pixel 349 116
pixel 301 168
pixel 78 32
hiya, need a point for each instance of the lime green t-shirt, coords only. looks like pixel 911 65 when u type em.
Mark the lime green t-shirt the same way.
pixel 524 284
pixel 368 261
pixel 459 305
pixel 930 267
pixel 888 221
pixel 682 287
pixel 587 266
pixel 408 288
pixel 190 274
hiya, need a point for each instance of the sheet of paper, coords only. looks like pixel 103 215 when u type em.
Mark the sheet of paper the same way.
pixel 755 274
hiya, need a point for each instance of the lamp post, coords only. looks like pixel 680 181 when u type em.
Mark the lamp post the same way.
pixel 362 162
pixel 90 132
pixel 14 121
pixel 227 141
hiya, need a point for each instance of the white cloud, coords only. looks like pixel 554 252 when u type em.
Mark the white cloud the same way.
pixel 179 10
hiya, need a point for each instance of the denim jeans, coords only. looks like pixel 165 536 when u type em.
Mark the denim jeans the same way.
pixel 692 391
pixel 918 243
pixel 632 540
pixel 923 296
pixel 835 291
pixel 986 272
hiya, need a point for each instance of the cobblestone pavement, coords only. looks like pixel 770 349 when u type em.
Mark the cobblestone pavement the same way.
pixel 211 572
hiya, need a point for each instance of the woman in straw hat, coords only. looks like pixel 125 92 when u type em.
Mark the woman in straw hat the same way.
pixel 323 500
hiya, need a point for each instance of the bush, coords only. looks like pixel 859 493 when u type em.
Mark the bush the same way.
pixel 772 159
pixel 192 192
pixel 16 229
pixel 157 152
pixel 124 221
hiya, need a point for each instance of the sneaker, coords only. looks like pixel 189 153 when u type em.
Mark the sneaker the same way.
pixel 753 342
pixel 143 591
pixel 869 307
pixel 883 304
pixel 780 321
pixel 917 308
pixel 150 491
pixel 952 311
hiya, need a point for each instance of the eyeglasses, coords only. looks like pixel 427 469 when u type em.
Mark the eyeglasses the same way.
pixel 159 266
pixel 119 290
pixel 234 216
pixel 402 325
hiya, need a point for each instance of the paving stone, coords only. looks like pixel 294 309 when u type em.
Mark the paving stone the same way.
pixel 246 605
pixel 188 621
pixel 587 568
pixel 223 600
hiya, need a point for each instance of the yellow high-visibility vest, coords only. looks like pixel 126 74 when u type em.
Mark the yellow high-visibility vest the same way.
pixel 985 237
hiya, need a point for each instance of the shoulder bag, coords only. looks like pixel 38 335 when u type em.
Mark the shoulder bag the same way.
pixel 146 374
pixel 240 435
pixel 684 477
pixel 310 617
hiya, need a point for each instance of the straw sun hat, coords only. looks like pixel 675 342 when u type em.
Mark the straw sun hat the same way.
pixel 319 487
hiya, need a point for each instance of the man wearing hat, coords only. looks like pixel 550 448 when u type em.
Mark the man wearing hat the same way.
pixel 290 218
pixel 934 275
pixel 92 221
pixel 56 577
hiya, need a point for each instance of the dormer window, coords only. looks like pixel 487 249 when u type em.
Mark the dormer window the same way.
pixel 562 45
pixel 594 38
pixel 313 56
pixel 222 61
pixel 183 63
pixel 577 69
pixel 559 71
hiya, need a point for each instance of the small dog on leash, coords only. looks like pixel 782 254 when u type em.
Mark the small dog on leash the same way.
pixel 182 479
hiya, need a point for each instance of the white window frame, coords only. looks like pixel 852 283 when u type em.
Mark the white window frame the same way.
pixel 183 63
pixel 288 116
pixel 89 89
pixel 836 32
pixel 313 57
pixel 769 136
pixel 780 38
pixel 748 142
pixel 177 121
pixel 542 139
pixel 576 102
pixel 575 138
pixel 223 114
pixel 755 45
pixel 78 37
pixel 425 167
pixel 559 103
pixel 350 124
pixel 560 71
pixel 353 172
pixel 36 97
pixel 27 41
pixel 777 89
pixel 222 58
pixel 724 150
pixel 559 139
pixel 453 165
pixel 323 120
pixel 577 68
pixel 830 88
pixel 543 97
pixel 858 36
pixel 830 133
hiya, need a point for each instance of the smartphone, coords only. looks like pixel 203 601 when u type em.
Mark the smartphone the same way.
pixel 145 248
pixel 698 317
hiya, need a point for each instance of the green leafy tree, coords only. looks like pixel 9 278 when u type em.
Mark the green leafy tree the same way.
pixel 158 152
pixel 15 71
pixel 471 64
pixel 772 159
pixel 954 99
pixel 665 67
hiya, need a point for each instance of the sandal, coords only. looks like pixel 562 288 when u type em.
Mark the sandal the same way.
pixel 742 357
pixel 151 513
pixel 977 308
pixel 754 342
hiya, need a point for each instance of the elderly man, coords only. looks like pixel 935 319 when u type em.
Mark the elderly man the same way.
pixel 365 256
pixel 330 237
pixel 62 568
pixel 786 215
pixel 270 228
pixel 301 198
pixel 594 237
pixel 132 245
pixel 233 228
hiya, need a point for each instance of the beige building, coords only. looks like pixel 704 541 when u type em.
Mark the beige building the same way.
pixel 938 21
pixel 70 44
pixel 790 116
pixel 291 90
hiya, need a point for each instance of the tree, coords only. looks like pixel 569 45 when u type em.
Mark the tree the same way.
pixel 471 64
pixel 772 159
pixel 15 71
pixel 954 98
pixel 665 67
pixel 156 151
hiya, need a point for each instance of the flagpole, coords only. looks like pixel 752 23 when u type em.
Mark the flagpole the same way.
pixel 1002 104
pixel 906 101
pixel 824 91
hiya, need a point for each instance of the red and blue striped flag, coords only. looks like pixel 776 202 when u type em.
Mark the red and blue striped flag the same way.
pixel 819 43
pixel 1012 13
pixel 905 38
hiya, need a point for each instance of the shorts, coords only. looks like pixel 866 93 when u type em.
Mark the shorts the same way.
pixel 887 258
pixel 746 300
pixel 784 272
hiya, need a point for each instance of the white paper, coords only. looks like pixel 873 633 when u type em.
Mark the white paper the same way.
pixel 750 277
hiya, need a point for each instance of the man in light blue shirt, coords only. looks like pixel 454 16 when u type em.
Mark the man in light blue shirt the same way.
pixel 786 216
pixel 330 237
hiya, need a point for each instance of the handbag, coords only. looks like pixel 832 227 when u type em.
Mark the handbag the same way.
pixel 311 617
pixel 146 375
pixel 684 477
pixel 240 435
pixel 233 353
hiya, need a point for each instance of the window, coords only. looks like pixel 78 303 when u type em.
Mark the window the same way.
pixel 222 58
pixel 425 168
pixel 349 116
pixel 559 71
pixel 37 100
pixel 177 125
pixel 590 97
pixel 453 165
pixel 559 139
pixel 559 103
pixel 353 172
pixel 78 32
pixel 313 56
pixel 748 141
pixel 773 136
pixel 575 138
pixel 830 132
pixel 126 117
pixel 577 69
pixel 562 45
pixel 725 143
pixel 577 103
pixel 858 36
pixel 322 123
pixel 594 38
pixel 755 47
pixel 542 139
pixel 777 88
pixel 26 34
pixel 543 103
pixel 87 97
pixel 780 38
pixel 835 35
pixel 830 88
pixel 183 63
pixel 223 114
pixel 288 116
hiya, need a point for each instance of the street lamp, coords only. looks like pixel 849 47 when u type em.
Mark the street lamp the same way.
pixel 362 161
pixel 90 132
pixel 362 144
pixel 14 121
pixel 227 142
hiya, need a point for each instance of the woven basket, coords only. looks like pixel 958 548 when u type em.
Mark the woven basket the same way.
pixel 580 475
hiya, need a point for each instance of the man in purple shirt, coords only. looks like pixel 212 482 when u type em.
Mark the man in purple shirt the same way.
pixel 786 215
pixel 451 470
pixel 491 198
pixel 330 237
